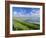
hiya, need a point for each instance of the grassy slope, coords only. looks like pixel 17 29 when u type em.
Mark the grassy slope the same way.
pixel 20 25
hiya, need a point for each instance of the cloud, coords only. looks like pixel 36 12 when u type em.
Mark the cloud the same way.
pixel 33 13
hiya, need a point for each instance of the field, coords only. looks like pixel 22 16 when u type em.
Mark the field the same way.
pixel 21 24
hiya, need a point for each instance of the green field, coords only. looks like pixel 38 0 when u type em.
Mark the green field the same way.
pixel 19 24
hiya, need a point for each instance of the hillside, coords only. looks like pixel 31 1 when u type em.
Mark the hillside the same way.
pixel 19 24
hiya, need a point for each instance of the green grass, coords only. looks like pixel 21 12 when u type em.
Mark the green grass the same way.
pixel 21 25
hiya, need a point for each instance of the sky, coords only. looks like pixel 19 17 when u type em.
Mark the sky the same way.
pixel 25 12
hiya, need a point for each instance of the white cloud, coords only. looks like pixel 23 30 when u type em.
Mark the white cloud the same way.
pixel 14 13
pixel 34 13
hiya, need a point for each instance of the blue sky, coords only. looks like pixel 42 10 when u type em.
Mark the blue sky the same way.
pixel 25 12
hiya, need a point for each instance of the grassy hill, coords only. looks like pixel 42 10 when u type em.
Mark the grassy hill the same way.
pixel 18 24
